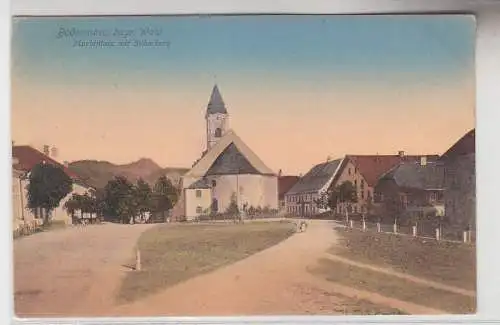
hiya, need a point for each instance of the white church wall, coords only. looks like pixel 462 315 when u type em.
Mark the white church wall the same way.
pixel 254 190
pixel 197 202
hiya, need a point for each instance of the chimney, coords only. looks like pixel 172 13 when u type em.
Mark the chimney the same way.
pixel 66 164
pixel 401 154
pixel 328 158
pixel 423 161
pixel 54 152
pixel 46 150
pixel 280 172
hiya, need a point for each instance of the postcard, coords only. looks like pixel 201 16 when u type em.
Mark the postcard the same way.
pixel 243 165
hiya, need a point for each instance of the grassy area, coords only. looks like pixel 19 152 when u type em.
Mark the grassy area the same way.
pixel 174 253
pixel 389 286
pixel 449 263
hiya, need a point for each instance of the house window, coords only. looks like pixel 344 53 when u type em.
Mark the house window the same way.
pixel 214 183
pixel 362 184
pixel 356 184
pixel 199 209
pixel 362 194
pixel 198 193
pixel 349 171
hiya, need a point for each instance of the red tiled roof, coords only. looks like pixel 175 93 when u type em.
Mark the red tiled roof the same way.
pixel 28 157
pixel 465 145
pixel 285 183
pixel 374 166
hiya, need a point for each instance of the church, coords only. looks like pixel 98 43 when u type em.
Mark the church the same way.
pixel 228 171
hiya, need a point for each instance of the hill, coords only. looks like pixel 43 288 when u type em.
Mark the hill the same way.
pixel 98 173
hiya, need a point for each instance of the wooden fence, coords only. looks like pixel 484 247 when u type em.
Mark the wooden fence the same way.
pixel 422 231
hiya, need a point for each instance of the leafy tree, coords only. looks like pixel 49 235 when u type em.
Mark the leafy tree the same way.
pixel 322 200
pixel 48 185
pixel 144 196
pixel 233 209
pixel 165 196
pixel 73 204
pixel 344 194
pixel 120 197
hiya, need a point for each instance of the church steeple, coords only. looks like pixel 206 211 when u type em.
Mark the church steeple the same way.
pixel 216 117
pixel 216 104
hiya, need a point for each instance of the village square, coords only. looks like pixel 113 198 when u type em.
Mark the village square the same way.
pixel 355 234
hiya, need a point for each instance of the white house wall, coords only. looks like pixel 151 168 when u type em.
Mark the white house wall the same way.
pixel 59 213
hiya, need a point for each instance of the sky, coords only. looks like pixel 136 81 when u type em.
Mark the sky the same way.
pixel 298 89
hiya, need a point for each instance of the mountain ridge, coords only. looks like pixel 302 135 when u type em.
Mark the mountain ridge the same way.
pixel 97 173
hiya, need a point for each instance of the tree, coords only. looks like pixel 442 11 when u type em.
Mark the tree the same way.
pixel 233 209
pixel 73 204
pixel 165 196
pixel 120 199
pixel 48 185
pixel 144 197
pixel 344 194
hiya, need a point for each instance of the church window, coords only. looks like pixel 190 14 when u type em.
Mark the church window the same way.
pixel 198 193
pixel 199 209
pixel 214 183
pixel 218 132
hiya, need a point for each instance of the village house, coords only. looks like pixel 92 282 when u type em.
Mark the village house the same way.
pixel 302 198
pixel 285 183
pixel 412 189
pixel 460 182
pixel 362 171
pixel 24 159
pixel 227 172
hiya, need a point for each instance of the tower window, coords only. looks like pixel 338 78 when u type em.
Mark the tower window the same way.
pixel 218 132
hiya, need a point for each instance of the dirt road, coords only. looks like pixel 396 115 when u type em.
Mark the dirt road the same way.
pixel 75 272
pixel 71 272
pixel 274 281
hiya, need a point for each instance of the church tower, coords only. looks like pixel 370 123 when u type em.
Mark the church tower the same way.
pixel 216 117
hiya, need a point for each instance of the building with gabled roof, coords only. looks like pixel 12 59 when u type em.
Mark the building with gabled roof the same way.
pixel 460 182
pixel 27 157
pixel 412 189
pixel 229 168
pixel 363 171
pixel 302 198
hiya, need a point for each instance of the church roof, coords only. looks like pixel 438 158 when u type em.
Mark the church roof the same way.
pixel 216 104
pixel 200 184
pixel 228 156
pixel 231 161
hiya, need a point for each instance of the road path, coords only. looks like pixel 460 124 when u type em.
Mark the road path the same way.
pixel 76 272
pixel 73 271
pixel 274 281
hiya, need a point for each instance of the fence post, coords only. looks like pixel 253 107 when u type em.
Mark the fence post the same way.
pixel 395 228
pixel 414 231
pixel 351 223
pixel 364 225
pixel 378 226
pixel 437 234
pixel 465 236
pixel 138 261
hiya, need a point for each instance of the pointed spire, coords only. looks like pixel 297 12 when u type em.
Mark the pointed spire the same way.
pixel 216 104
